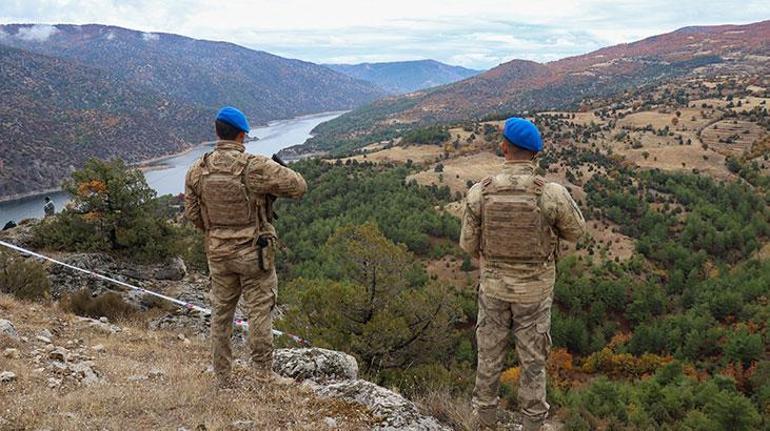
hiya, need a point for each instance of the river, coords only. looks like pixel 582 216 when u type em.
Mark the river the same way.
pixel 169 178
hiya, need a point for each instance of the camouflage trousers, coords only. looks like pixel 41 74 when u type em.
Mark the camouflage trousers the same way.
pixel 231 279
pixel 531 325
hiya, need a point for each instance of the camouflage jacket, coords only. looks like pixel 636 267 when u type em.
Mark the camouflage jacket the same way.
pixel 261 176
pixel 520 282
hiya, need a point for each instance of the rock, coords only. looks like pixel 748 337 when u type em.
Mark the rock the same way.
pixel 330 422
pixel 318 365
pixel 175 270
pixel 104 319
pixel 7 329
pixel 43 339
pixel 7 377
pixel 11 353
pixel 243 425
pixel 396 412
pixel 98 348
pixel 137 378
pixel 45 333
pixel 84 372
pixel 156 374
pixel 101 327
pixel 59 354
pixel 58 367
pixel 181 337
pixel 54 382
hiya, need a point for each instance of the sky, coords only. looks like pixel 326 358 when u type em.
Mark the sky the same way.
pixel 479 34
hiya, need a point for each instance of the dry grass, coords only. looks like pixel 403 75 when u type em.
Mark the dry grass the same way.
pixel 184 397
pixel 452 410
pixel 417 153
pixel 744 133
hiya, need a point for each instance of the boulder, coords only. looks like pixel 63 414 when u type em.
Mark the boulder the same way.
pixel 175 270
pixel 7 377
pixel 7 329
pixel 318 365
pixel 396 412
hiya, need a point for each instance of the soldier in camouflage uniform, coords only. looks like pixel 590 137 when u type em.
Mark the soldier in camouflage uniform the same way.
pixel 227 195
pixel 512 222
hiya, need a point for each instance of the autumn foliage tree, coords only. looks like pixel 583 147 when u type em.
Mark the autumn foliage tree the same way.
pixel 112 209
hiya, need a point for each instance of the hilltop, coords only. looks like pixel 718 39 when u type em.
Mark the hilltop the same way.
pixel 74 92
pixel 521 86
pixel 405 76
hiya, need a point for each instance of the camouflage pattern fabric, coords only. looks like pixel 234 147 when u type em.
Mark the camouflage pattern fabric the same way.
pixel 231 279
pixel 520 282
pixel 238 266
pixel 516 297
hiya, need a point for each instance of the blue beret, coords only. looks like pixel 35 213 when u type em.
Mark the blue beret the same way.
pixel 523 134
pixel 234 117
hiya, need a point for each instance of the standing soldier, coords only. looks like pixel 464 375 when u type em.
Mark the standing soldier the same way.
pixel 48 207
pixel 512 223
pixel 227 194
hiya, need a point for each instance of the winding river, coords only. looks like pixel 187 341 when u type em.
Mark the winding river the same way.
pixel 169 178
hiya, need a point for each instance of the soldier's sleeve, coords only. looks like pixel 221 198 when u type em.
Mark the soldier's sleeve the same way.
pixel 192 204
pixel 470 233
pixel 563 212
pixel 264 176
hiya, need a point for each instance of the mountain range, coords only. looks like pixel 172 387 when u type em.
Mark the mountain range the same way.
pixel 522 85
pixel 74 92
pixel 405 76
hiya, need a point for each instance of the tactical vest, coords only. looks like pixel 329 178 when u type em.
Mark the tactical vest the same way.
pixel 514 229
pixel 224 198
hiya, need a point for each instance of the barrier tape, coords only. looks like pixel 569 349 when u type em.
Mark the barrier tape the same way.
pixel 187 305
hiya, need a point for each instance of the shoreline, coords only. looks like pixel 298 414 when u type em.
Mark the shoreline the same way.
pixel 156 163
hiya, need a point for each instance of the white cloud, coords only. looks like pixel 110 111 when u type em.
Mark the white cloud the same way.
pixel 37 32
pixel 150 36
pixel 478 33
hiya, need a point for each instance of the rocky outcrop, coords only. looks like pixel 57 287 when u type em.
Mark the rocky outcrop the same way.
pixel 335 374
pixel 396 412
pixel 318 365
pixel 7 329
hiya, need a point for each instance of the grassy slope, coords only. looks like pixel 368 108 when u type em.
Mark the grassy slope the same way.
pixel 184 397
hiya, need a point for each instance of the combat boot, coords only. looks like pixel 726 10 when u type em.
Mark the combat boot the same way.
pixel 485 419
pixel 529 424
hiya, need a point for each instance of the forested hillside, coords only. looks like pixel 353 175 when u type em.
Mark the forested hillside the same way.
pixel 56 114
pixel 405 76
pixel 75 92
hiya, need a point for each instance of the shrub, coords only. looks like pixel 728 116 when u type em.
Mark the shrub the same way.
pixel 23 278
pixel 113 209
pixel 110 305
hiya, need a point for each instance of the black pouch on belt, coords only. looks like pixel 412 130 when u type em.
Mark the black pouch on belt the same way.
pixel 265 252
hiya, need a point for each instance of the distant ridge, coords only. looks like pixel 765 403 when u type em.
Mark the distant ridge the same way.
pixel 73 92
pixel 207 73
pixel 521 85
pixel 406 76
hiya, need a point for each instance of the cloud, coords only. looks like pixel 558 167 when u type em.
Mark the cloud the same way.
pixel 110 35
pixel 37 32
pixel 478 33
pixel 150 36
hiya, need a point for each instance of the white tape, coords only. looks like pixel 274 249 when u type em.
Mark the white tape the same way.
pixel 188 305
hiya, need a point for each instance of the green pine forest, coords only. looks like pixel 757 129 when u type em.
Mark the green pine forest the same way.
pixel 675 337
